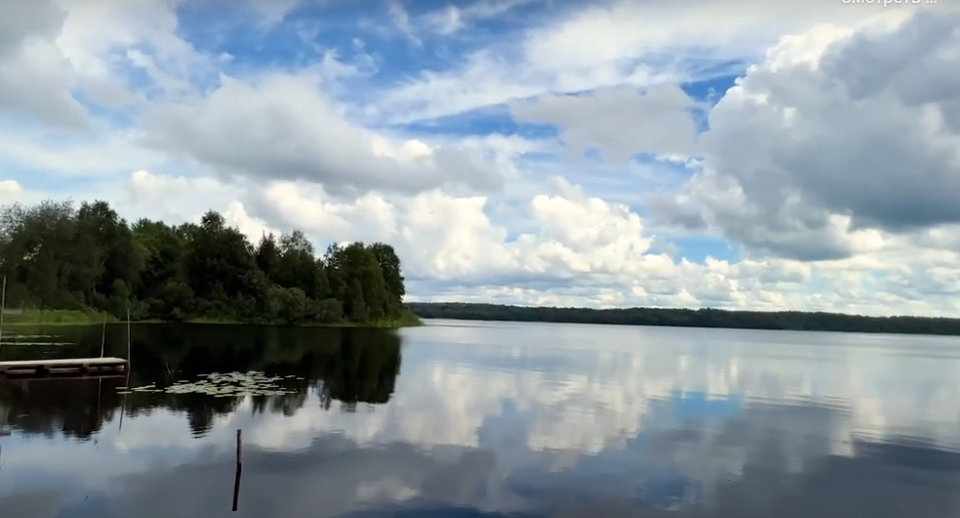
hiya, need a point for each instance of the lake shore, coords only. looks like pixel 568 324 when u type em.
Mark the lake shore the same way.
pixel 689 317
pixel 67 317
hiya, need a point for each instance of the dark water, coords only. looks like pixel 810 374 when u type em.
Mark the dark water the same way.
pixel 470 420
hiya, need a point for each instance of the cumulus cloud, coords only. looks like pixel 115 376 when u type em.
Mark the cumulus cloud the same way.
pixel 576 250
pixel 21 20
pixel 837 145
pixel 35 76
pixel 833 136
pixel 10 192
pixel 619 122
pixel 282 127
pixel 638 43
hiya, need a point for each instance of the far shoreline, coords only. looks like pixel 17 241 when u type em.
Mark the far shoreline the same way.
pixel 690 318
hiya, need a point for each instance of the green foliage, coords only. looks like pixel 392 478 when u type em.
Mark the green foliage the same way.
pixel 709 318
pixel 89 260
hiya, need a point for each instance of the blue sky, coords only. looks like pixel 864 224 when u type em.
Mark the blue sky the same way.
pixel 604 153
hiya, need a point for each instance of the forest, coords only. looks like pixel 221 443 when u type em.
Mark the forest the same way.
pixel 57 256
pixel 710 318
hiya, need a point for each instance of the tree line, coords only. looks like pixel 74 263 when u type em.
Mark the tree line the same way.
pixel 59 256
pixel 710 318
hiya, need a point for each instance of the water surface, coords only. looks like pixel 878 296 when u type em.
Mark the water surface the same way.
pixel 468 419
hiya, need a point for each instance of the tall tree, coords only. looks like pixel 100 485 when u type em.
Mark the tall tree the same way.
pixel 392 276
pixel 56 256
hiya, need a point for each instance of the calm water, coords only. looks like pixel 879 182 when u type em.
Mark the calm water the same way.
pixel 464 420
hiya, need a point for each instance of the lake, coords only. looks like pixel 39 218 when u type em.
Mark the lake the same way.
pixel 482 420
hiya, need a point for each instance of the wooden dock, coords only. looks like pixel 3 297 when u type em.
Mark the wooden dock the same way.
pixel 62 366
pixel 75 366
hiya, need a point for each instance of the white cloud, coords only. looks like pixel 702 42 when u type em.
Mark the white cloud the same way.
pixel 619 122
pixel 452 18
pixel 621 31
pixel 579 250
pixel 401 20
pixel 833 139
pixel 281 127
pixel 10 192
pixel 640 43
pixel 99 155
pixel 34 75
pixel 181 199
pixel 839 143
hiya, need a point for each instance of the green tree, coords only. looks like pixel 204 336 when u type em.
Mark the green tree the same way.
pixel 268 256
pixel 356 308
pixel 105 247
pixel 58 257
pixel 392 277
pixel 39 253
pixel 298 266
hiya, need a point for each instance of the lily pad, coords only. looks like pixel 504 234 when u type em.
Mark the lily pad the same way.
pixel 231 384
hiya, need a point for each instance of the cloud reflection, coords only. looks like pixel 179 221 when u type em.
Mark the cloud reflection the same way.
pixel 569 421
pixel 586 396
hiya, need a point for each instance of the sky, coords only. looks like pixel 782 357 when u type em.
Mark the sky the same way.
pixel 609 153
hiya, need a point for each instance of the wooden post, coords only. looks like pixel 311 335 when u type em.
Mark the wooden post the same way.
pixel 123 401
pixel 123 406
pixel 236 477
pixel 96 441
pixel 128 337
pixel 129 368
pixel 103 336
pixel 3 307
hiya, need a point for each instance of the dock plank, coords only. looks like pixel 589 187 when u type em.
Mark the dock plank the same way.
pixel 96 376
pixel 62 362
pixel 61 366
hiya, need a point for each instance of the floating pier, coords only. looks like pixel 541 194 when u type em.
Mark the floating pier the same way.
pixel 62 366
pixel 74 366
pixel 96 376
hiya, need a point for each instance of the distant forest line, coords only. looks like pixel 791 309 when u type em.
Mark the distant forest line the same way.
pixel 708 318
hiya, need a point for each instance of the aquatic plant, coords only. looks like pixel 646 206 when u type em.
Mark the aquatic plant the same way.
pixel 232 384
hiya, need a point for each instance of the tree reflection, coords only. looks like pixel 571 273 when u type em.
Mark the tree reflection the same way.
pixel 68 406
pixel 346 365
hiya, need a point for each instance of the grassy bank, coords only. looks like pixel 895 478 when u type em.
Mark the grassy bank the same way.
pixel 68 317
pixel 407 320
pixel 57 317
